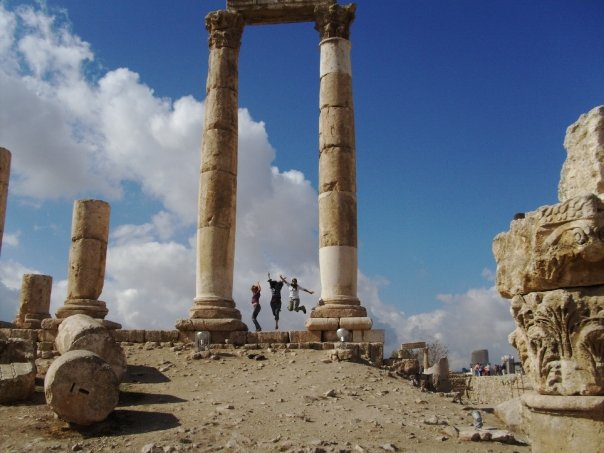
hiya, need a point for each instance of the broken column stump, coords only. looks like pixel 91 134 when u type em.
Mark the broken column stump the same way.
pixel 81 388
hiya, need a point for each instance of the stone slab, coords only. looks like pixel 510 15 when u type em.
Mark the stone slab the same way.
pixel 415 345
pixel 303 336
pixel 17 381
pixel 276 11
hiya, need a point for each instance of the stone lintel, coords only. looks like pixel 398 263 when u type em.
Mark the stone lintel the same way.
pixel 261 12
pixel 415 345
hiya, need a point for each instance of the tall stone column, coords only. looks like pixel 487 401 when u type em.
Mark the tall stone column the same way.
pixel 5 158
pixel 337 175
pixel 213 308
pixel 34 301
pixel 87 258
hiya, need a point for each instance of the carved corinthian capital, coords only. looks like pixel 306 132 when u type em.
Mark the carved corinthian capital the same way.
pixel 560 337
pixel 225 29
pixel 334 21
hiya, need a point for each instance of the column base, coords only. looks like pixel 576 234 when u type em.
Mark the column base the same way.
pixel 31 320
pixel 565 423
pixel 329 310
pixel 333 324
pixel 94 308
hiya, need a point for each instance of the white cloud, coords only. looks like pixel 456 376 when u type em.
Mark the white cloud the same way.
pixel 11 239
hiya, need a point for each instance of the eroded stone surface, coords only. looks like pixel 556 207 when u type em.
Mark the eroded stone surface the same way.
pixel 560 337
pixel 17 381
pixel 583 170
pixel 81 388
pixel 34 301
pixel 553 247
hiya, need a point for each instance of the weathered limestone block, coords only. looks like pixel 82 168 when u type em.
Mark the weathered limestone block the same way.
pixel 5 158
pixel 583 170
pixel 222 73
pixel 276 11
pixel 560 338
pixel 86 277
pixel 217 195
pixel 439 373
pixel 81 388
pixel 322 324
pixel 17 369
pixel 79 332
pixel 553 247
pixel 304 336
pixel 338 170
pixel 337 127
pixel 221 109
pixel 34 301
pixel 356 323
pixel 565 423
pixel 17 381
pixel 336 90
pixel 90 220
pixel 338 219
pixel 17 350
pixel 215 141
pixel 406 367
pixel 339 311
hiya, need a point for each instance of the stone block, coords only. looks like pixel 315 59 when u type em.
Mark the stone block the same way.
pixel 330 335
pixel 376 354
pixel 81 332
pixel 24 334
pixel 337 170
pixel 415 345
pixel 17 381
pixel 337 219
pixel 336 127
pixel 554 247
pixel 356 323
pixel 238 338
pixel 169 335
pixel 153 335
pixel 314 324
pixel 121 335
pixel 46 346
pixel 222 69
pixel 81 388
pixel 221 109
pixel 276 11
pixel 273 337
pixel 17 350
pixel 90 220
pixel 86 273
pixel 219 151
pixel 583 170
pixel 336 90
pixel 301 336
pixel 374 336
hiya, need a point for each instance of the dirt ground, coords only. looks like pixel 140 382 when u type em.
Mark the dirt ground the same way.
pixel 293 401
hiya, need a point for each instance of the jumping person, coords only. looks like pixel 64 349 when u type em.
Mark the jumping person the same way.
pixel 294 294
pixel 275 298
pixel 256 304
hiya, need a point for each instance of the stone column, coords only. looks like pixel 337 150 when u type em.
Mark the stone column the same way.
pixel 34 301
pixel 5 158
pixel 213 308
pixel 337 172
pixel 87 258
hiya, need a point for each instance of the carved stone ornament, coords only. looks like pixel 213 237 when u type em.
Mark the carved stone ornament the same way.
pixel 225 29
pixel 560 338
pixel 554 247
pixel 334 21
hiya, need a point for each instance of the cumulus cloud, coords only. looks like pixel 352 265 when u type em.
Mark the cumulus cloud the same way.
pixel 76 137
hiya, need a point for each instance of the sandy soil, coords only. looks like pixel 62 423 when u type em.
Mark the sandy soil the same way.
pixel 293 401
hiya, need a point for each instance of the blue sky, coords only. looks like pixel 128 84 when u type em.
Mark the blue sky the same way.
pixel 460 107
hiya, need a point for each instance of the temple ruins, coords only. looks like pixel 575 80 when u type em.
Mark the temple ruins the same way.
pixel 551 264
pixel 214 309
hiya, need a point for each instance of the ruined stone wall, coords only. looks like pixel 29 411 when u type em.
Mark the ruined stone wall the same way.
pixel 493 390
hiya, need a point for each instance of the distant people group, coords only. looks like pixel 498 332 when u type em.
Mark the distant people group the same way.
pixel 487 370
pixel 276 286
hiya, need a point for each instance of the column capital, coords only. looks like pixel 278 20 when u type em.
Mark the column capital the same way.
pixel 225 29
pixel 334 21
